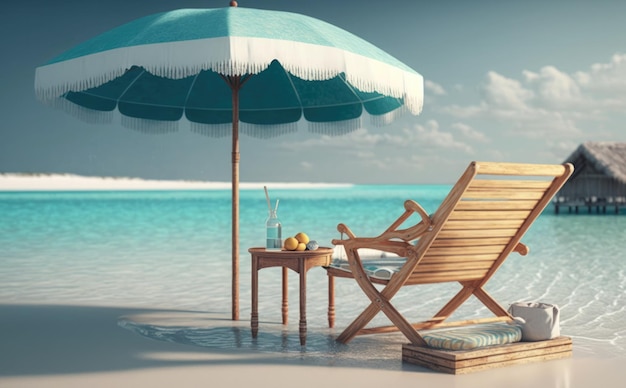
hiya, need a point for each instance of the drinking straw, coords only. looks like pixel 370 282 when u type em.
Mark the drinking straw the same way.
pixel 267 196
pixel 276 208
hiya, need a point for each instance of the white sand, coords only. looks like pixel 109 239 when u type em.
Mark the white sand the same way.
pixel 74 346
pixel 70 182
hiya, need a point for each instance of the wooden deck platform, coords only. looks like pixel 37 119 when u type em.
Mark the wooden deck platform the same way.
pixel 467 361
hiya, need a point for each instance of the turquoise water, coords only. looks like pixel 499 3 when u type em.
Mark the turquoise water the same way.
pixel 171 249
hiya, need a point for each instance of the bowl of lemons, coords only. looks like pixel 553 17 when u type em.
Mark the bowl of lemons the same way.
pixel 300 242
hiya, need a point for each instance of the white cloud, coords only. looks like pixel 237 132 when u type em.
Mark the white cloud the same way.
pixel 364 144
pixel 505 93
pixel 429 136
pixel 434 88
pixel 469 132
pixel 543 109
pixel 554 87
pixel 466 112
pixel 562 147
pixel 550 102
pixel 360 138
pixel 608 77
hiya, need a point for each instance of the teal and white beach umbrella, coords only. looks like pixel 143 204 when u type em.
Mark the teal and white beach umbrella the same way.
pixel 223 70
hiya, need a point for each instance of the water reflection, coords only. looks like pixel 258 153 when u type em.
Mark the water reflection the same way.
pixel 212 331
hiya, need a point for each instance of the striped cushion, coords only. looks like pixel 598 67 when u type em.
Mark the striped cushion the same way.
pixel 473 336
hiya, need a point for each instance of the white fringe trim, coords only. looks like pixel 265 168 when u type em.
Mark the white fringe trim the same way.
pixel 267 131
pixel 388 118
pixel 216 130
pixel 253 130
pixel 153 127
pixel 232 56
pixel 85 115
pixel 335 128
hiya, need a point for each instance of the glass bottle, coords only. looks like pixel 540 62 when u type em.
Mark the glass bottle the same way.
pixel 273 230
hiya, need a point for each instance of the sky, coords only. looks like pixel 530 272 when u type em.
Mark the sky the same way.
pixel 511 81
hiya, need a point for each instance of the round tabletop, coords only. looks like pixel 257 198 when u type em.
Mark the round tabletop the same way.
pixel 260 251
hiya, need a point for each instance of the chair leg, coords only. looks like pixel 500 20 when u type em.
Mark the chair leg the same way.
pixel 401 323
pixel 363 319
pixel 381 303
pixel 370 291
pixel 455 302
pixel 490 303
pixel 464 294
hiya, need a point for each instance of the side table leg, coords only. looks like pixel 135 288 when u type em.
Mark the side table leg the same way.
pixel 331 301
pixel 254 321
pixel 285 306
pixel 302 304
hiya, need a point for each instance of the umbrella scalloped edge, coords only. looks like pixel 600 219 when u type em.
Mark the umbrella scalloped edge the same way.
pixel 231 56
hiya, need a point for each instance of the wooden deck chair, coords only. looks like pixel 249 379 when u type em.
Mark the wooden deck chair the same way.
pixel 466 240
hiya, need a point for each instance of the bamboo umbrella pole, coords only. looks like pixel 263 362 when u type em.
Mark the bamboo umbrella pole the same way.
pixel 235 84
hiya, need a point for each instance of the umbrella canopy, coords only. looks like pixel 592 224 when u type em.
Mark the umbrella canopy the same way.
pixel 192 65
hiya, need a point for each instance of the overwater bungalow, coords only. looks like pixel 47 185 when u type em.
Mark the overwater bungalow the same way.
pixel 598 183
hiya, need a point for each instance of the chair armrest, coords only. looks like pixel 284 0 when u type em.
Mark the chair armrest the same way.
pixel 388 240
pixel 522 249
pixel 343 229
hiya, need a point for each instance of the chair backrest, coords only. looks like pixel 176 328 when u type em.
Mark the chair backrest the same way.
pixel 483 218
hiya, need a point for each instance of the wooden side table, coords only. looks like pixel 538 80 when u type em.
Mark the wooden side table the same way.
pixel 301 262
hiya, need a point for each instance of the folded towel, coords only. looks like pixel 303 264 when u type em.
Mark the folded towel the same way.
pixel 365 253
pixel 377 264
pixel 384 273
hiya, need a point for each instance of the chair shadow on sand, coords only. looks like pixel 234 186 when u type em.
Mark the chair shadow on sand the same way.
pixel 67 339
pixel 214 331
pixel 48 340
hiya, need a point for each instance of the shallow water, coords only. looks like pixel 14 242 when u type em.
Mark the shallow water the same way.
pixel 171 249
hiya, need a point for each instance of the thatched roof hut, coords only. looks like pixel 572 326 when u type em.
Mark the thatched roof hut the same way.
pixel 599 178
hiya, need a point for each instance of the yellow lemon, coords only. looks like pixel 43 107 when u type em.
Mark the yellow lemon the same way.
pixel 301 247
pixel 302 238
pixel 291 244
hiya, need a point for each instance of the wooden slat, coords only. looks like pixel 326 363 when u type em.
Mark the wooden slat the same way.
pixel 461 242
pixel 466 250
pixel 504 357
pixel 519 169
pixel 483 224
pixel 504 194
pixel 495 205
pixel 488 215
pixel 332 271
pixel 448 276
pixel 513 184
pixel 463 355
pixel 444 267
pixel 477 233
pixel 522 357
pixel 465 361
pixel 459 371
pixel 459 258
